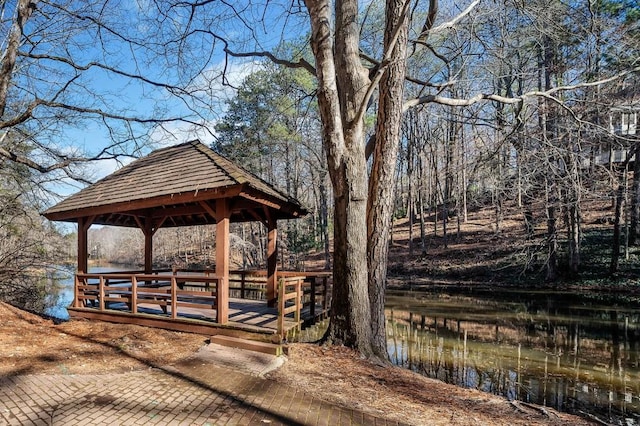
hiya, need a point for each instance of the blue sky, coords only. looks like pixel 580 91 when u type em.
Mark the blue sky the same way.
pixel 91 137
pixel 109 92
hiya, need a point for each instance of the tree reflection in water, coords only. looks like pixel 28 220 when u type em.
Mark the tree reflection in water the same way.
pixel 553 350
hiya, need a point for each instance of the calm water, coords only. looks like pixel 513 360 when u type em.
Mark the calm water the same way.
pixel 60 289
pixel 554 350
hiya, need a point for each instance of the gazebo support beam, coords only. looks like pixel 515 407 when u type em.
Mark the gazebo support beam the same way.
pixel 148 244
pixel 84 223
pixel 223 214
pixel 272 262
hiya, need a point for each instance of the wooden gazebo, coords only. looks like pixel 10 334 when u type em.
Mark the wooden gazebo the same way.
pixel 183 185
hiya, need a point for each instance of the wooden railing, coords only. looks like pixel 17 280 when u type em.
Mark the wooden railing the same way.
pixel 165 290
pixel 316 291
pixel 289 302
pixel 171 290
pixel 252 285
pixel 316 286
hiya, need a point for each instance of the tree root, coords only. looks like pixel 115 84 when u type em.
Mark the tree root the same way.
pixel 538 408
pixel 594 418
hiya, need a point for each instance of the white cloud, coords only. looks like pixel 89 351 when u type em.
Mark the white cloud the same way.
pixel 218 83
pixel 102 168
pixel 180 132
pixel 213 88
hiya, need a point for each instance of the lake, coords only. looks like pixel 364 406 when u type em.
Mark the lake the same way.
pixel 59 284
pixel 561 350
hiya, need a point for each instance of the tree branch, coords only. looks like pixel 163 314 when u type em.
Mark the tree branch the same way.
pixel 20 159
pixel 428 24
pixel 416 81
pixel 428 29
pixel 455 20
pixel 105 67
pixel 28 113
pixel 302 63
pixel 385 60
pixel 441 100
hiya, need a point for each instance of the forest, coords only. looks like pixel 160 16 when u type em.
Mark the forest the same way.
pixel 520 111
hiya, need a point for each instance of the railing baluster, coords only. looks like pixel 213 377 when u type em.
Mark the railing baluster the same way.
pixel 174 297
pixel 101 292
pixel 76 292
pixel 134 295
pixel 298 288
pixel 325 292
pixel 281 306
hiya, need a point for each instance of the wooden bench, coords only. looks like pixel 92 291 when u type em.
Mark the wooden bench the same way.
pixel 193 299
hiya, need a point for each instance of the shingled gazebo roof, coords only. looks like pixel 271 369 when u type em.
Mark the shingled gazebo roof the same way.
pixel 176 186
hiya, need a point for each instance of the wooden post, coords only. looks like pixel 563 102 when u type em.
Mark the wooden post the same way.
pixel 325 296
pixel 76 295
pixel 134 294
pixel 83 253
pixel 148 245
pixel 272 262
pixel 281 306
pixel 222 258
pixel 298 302
pixel 101 292
pixel 174 298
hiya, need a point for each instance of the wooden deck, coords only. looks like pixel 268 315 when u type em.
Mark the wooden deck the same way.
pixel 188 302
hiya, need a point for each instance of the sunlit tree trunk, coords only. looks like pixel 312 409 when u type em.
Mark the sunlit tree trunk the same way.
pixel 23 11
pixel 363 205
pixel 382 177
pixel 340 96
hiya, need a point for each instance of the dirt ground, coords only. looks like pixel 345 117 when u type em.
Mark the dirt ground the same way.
pixel 30 344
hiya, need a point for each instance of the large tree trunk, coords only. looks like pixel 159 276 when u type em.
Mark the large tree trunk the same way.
pixel 343 139
pixel 24 10
pixel 382 178
pixel 324 218
pixel 350 313
pixel 360 258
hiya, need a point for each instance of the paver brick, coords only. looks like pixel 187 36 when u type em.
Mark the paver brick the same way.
pixel 176 397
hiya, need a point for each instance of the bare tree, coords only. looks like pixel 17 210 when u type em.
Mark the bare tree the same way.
pixel 64 66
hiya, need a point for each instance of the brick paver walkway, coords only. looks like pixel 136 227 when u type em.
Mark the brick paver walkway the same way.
pixel 171 396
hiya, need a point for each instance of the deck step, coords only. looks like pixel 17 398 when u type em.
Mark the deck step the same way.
pixel 250 345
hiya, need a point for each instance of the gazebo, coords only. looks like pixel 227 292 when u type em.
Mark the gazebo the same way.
pixel 183 185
